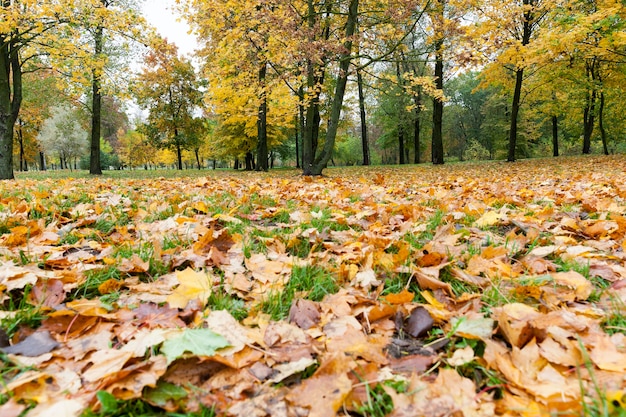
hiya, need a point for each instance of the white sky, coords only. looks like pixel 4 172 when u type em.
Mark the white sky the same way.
pixel 161 14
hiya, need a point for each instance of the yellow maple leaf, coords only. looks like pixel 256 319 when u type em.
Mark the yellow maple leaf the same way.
pixel 193 286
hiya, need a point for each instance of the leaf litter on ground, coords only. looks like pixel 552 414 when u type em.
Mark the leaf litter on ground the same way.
pixel 469 289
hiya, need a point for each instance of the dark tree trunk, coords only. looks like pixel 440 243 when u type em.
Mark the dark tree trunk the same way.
pixel 96 105
pixel 555 136
pixel 527 27
pixel 20 141
pixel 236 164
pixel 364 142
pixel 589 121
pixel 42 161
pixel 297 135
pixel 249 161
pixel 197 153
pixel 401 160
pixel 179 152
pixel 437 134
pixel 10 99
pixel 517 94
pixel 416 128
pixel 605 147
pixel 261 150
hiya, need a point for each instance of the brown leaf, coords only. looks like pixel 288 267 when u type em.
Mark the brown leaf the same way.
pixel 48 293
pixel 323 393
pixel 36 344
pixel 419 322
pixel 304 313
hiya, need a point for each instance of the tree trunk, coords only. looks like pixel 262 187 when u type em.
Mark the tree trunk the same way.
pixel 249 161
pixel 10 100
pixel 416 127
pixel 517 94
pixel 179 152
pixel 197 153
pixel 605 147
pixel 42 161
pixel 364 142
pixel 589 121
pixel 298 133
pixel 555 136
pixel 437 134
pixel 236 164
pixel 261 150
pixel 320 162
pixel 519 78
pixel 20 141
pixel 401 160
pixel 96 105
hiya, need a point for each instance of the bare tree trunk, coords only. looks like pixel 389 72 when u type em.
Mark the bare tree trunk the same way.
pixel 262 161
pixel 555 136
pixel 519 78
pixel 197 153
pixel 416 128
pixel 364 142
pixel 437 134
pixel 297 135
pixel 588 121
pixel 10 100
pixel 96 105
pixel 605 147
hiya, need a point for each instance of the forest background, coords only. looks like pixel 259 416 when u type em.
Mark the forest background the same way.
pixel 309 84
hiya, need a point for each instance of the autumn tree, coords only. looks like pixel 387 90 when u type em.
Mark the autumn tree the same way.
pixel 23 28
pixel 586 37
pixel 169 88
pixel 247 63
pixel 508 29
pixel 62 134
pixel 40 94
pixel 108 25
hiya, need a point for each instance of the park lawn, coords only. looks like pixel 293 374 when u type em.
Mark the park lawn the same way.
pixel 465 289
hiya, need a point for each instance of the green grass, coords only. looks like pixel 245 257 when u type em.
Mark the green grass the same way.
pixel 417 241
pixel 378 403
pixel 10 370
pixel 220 300
pixel 93 279
pixel 111 407
pixel 398 282
pixel 26 314
pixel 458 287
pixel 311 282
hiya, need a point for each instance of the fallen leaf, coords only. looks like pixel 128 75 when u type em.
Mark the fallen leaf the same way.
pixel 36 344
pixel 201 342
pixel 304 313
pixel 193 286
pixel 419 322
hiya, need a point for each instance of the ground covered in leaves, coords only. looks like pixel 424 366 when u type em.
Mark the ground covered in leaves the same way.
pixel 462 290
